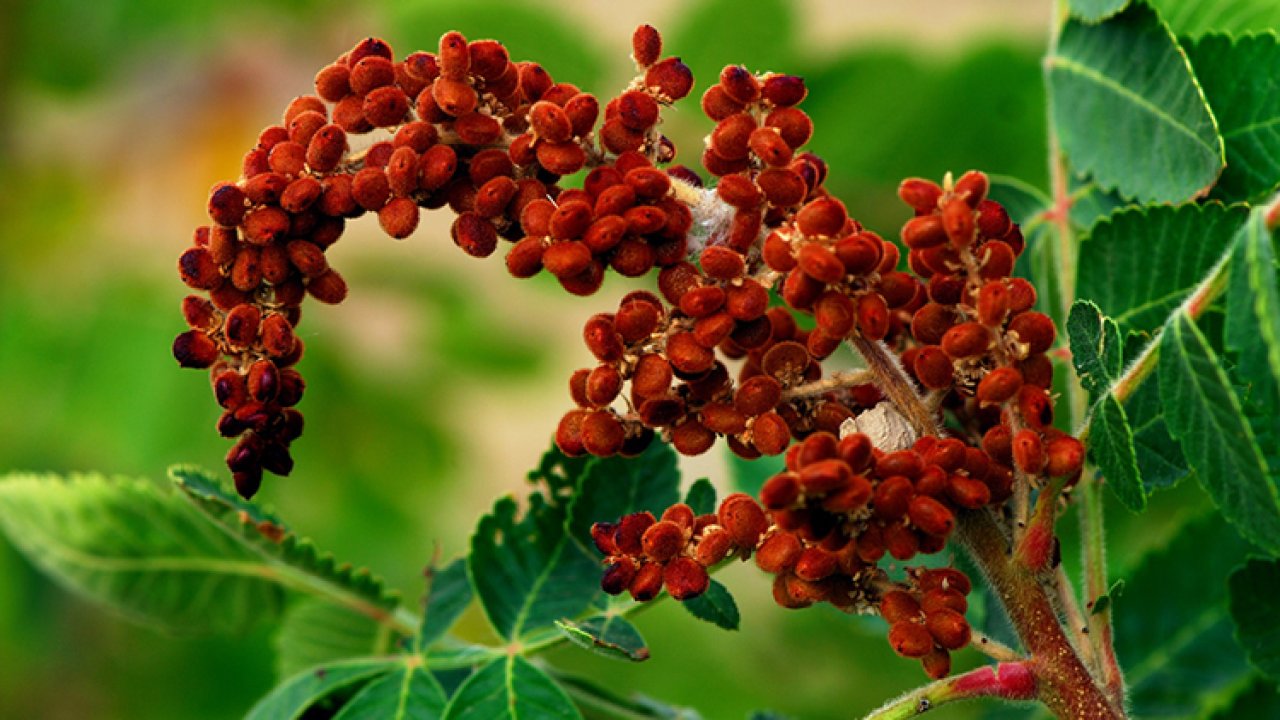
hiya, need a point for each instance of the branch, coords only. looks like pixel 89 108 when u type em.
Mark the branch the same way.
pixel 1008 681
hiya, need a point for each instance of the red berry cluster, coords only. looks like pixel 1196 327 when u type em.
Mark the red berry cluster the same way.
pixel 643 555
pixel 926 617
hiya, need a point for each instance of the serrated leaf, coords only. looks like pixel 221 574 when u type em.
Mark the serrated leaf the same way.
pixel 1128 110
pixel 701 497
pixel 1255 609
pixel 263 534
pixel 315 631
pixel 609 635
pixel 140 550
pixel 1111 449
pixel 1092 11
pixel 527 571
pixel 1160 461
pixel 715 606
pixel 1172 633
pixel 1239 79
pixel 407 693
pixel 293 697
pixel 1096 350
pixel 448 595
pixel 509 688
pixel 1196 17
pixel 616 486
pixel 1253 317
pixel 560 472
pixel 1205 415
pixel 1139 264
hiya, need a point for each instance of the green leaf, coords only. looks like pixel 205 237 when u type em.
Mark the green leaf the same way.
pixel 1092 11
pixel 293 697
pixel 509 688
pixel 715 606
pixel 408 693
pixel 1140 264
pixel 1205 415
pixel 609 635
pixel 1111 448
pixel 1172 632
pixel 560 472
pixel 616 486
pixel 448 596
pixel 295 560
pixel 315 631
pixel 1096 350
pixel 1103 602
pixel 1196 17
pixel 1128 110
pixel 528 572
pixel 1039 263
pixel 1255 609
pixel 701 497
pixel 139 550
pixel 1253 317
pixel 1239 79
pixel 603 702
pixel 1160 461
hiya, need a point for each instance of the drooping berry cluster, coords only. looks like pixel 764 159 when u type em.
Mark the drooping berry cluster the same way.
pixel 926 617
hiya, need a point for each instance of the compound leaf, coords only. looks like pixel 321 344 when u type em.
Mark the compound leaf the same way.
pixel 510 688
pixel 1128 109
pixel 315 631
pixel 407 693
pixel 138 549
pixel 293 697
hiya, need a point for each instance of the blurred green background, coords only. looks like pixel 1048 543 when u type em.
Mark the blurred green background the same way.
pixel 436 385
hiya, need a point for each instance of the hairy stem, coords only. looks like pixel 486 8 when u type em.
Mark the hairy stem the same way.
pixel 1007 680
pixel 1063 682
pixel 894 383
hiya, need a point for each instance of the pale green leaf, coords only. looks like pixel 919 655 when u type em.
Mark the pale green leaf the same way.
pixel 1196 17
pixel 1240 79
pixel 609 635
pixel 715 606
pixel 140 550
pixel 1140 264
pixel 407 693
pixel 448 595
pixel 510 688
pixel 315 631
pixel 1128 110
pixel 1096 10
pixel 295 559
pixel 1205 415
pixel 1172 632
pixel 293 697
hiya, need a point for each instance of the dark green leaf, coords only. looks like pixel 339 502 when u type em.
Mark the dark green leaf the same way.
pixel 560 472
pixel 1096 10
pixel 1160 461
pixel 1253 318
pixel 142 551
pixel 448 596
pixel 1239 79
pixel 528 572
pixel 315 631
pixel 267 537
pixel 1039 263
pixel 1196 17
pixel 509 688
pixel 407 693
pixel 1173 636
pixel 1095 347
pixel 1111 448
pixel 1103 602
pixel 1139 264
pixel 602 702
pixel 716 606
pixel 617 486
pixel 291 698
pixel 1255 609
pixel 1205 415
pixel 701 497
pixel 610 635
pixel 1128 110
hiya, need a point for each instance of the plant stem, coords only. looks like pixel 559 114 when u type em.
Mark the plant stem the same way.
pixel 1063 683
pixel 1007 680
pixel 894 383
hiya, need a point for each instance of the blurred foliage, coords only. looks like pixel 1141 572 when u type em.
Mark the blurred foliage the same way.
pixel 88 308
